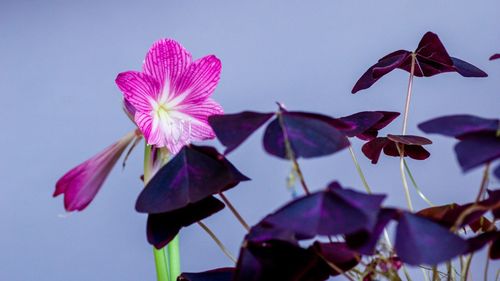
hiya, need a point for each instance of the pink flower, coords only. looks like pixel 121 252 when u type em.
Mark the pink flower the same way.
pixel 81 184
pixel 171 96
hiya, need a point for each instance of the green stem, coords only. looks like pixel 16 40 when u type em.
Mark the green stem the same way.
pixel 360 172
pixel 174 260
pixel 161 258
pixel 161 262
pixel 419 191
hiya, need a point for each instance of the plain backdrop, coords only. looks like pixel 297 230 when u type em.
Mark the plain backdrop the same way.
pixel 60 105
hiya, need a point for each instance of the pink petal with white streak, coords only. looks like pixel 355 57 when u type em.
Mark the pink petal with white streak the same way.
pixel 139 89
pixel 199 81
pixel 199 113
pixel 81 184
pixel 166 61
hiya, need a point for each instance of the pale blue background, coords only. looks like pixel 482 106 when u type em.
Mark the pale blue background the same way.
pixel 59 106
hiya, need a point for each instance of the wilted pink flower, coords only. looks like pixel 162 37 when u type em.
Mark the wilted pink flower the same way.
pixel 81 184
pixel 171 95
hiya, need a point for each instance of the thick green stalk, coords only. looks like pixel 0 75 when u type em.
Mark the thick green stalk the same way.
pixel 174 260
pixel 161 259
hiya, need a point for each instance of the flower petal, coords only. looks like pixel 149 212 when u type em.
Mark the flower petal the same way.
pixel 138 89
pixel 199 80
pixel 81 184
pixel 166 61
pixel 200 129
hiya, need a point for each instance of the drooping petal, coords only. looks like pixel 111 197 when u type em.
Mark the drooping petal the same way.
pixel 219 274
pixel 194 174
pixel 166 61
pixel 474 151
pixel 422 241
pixel 233 129
pixel 163 227
pixel 139 89
pixel 495 57
pixel 199 81
pixel 459 125
pixel 309 135
pixel 381 68
pixel 81 184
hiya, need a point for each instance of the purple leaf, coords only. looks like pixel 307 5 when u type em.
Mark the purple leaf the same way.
pixel 381 68
pixel 478 242
pixel 466 69
pixel 163 227
pixel 365 241
pixel 331 212
pixel 362 121
pixel 233 129
pixel 194 174
pixel 495 57
pixel 220 274
pixel 474 151
pixel 279 260
pixel 496 172
pixel 459 125
pixel 412 146
pixel 431 58
pixel 337 253
pixel 422 241
pixel 309 135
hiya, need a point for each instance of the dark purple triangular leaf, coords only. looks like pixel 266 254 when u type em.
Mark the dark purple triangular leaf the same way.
pixel 409 139
pixel 495 57
pixel 431 58
pixel 219 274
pixel 194 174
pixel 459 125
pixel 361 121
pixel 478 242
pixel 365 241
pixel 466 69
pixel 422 241
pixel 332 212
pixel 263 232
pixel 309 135
pixel 381 68
pixel 496 171
pixel 163 227
pixel 233 129
pixel 279 260
pixel 474 151
pixel 373 148
pixel 337 253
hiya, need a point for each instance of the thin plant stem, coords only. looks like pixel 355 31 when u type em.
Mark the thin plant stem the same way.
pixel 486 267
pixel 484 182
pixel 465 272
pixel 358 168
pixel 217 241
pixel 234 211
pixel 419 191
pixel 160 256
pixel 291 155
pixel 403 177
pixel 408 94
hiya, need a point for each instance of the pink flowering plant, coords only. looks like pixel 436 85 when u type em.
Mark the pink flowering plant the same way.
pixel 335 231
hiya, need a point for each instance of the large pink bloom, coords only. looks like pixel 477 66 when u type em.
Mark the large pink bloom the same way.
pixel 171 96
pixel 81 184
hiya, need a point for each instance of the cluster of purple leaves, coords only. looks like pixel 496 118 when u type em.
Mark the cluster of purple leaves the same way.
pixel 182 192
